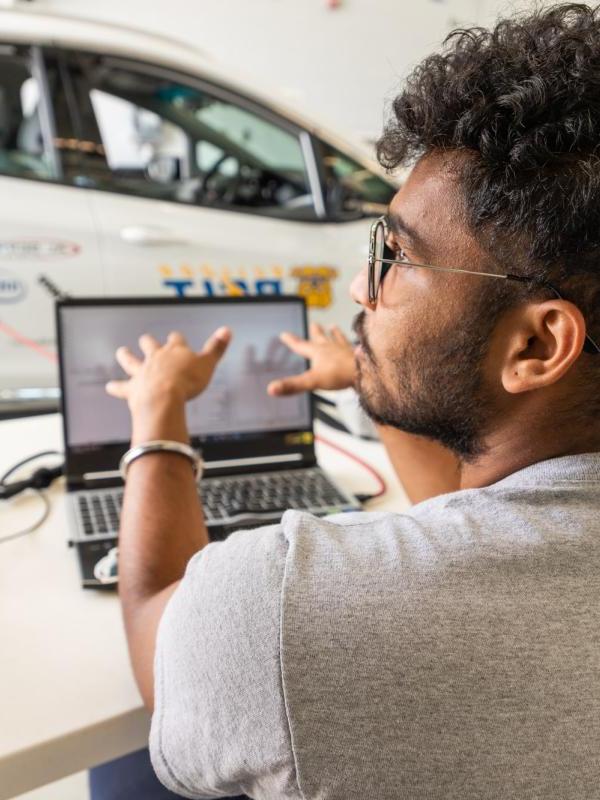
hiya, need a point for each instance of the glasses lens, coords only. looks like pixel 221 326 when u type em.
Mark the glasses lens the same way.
pixel 377 252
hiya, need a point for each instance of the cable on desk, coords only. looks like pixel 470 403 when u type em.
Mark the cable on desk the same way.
pixel 27 460
pixel 322 404
pixel 35 525
pixel 39 493
pixel 382 488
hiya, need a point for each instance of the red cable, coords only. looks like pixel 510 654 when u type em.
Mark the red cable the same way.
pixel 382 485
pixel 26 342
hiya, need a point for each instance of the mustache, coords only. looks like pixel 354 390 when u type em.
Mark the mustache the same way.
pixel 358 328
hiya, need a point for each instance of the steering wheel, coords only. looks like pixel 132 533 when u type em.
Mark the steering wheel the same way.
pixel 210 174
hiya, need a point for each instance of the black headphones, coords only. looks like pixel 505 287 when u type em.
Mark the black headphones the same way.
pixel 41 479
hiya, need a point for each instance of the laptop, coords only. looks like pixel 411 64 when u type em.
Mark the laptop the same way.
pixel 258 451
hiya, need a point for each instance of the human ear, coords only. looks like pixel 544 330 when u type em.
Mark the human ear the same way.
pixel 545 341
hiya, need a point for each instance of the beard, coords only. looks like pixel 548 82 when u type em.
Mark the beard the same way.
pixel 439 390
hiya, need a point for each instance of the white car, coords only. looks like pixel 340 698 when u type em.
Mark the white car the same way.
pixel 133 165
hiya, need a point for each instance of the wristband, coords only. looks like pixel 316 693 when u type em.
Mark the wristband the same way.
pixel 161 446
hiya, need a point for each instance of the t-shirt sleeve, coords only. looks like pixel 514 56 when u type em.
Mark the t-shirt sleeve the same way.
pixel 219 726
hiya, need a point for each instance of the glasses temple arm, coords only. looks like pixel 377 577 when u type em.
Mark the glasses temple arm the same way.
pixel 445 269
pixel 591 346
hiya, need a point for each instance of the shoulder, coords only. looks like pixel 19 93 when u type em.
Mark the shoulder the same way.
pixel 459 524
pixel 227 580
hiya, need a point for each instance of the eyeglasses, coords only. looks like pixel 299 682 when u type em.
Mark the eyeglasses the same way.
pixel 380 261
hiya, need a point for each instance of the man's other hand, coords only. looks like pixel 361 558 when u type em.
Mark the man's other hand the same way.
pixel 171 371
pixel 332 364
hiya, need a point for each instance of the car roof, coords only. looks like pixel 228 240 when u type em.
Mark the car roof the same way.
pixel 32 26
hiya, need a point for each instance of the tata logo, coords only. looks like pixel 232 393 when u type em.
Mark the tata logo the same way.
pixel 12 288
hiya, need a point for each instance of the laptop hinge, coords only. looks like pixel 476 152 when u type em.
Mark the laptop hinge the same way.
pixel 94 480
pixel 291 459
pixel 252 464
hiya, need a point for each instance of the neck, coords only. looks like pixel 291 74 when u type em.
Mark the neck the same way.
pixel 520 443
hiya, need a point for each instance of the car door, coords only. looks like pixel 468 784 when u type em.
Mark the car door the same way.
pixel 203 192
pixel 48 243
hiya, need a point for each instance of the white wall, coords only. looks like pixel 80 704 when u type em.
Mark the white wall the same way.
pixel 337 64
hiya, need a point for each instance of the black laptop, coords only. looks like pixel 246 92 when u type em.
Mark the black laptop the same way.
pixel 258 451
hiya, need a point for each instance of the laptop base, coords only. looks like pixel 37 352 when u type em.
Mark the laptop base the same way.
pixel 89 553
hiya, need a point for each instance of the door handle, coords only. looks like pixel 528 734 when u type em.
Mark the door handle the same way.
pixel 150 235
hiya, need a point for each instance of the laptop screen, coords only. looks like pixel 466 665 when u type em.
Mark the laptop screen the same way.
pixel 235 406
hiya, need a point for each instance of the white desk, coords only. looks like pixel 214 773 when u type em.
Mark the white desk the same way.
pixel 68 700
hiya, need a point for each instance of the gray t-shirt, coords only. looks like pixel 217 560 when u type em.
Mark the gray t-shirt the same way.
pixel 449 653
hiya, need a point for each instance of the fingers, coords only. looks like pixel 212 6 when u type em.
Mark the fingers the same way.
pixel 130 363
pixel 292 385
pixel 297 345
pixel 117 389
pixel 176 338
pixel 216 344
pixel 337 335
pixel 148 344
pixel 317 334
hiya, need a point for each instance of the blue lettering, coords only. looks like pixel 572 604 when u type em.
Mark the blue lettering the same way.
pixel 208 288
pixel 232 288
pixel 179 285
pixel 268 286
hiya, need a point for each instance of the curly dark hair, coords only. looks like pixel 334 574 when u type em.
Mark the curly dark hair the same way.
pixel 523 101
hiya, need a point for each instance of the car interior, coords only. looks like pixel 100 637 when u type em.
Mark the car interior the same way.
pixel 179 149
pixel 22 149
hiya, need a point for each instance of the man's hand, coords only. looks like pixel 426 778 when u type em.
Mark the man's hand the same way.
pixel 332 364
pixel 162 525
pixel 172 371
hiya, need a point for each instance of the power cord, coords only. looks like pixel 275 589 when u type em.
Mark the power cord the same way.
pixel 363 498
pixel 41 479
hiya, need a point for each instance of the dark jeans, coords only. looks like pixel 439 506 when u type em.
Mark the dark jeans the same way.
pixel 131 778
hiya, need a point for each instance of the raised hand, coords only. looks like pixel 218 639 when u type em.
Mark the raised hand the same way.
pixel 171 371
pixel 332 364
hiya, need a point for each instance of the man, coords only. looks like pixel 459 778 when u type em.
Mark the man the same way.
pixel 450 652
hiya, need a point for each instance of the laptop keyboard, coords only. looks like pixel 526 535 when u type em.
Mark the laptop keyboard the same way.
pixel 270 492
pixel 227 499
pixel 99 512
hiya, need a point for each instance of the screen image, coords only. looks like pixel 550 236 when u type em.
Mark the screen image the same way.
pixel 235 402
